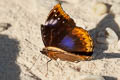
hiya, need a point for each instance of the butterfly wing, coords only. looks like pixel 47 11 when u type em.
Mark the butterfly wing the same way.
pixel 78 41
pixel 60 31
pixel 57 25
pixel 55 53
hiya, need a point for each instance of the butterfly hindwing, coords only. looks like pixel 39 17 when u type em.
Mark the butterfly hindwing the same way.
pixel 78 41
pixel 55 53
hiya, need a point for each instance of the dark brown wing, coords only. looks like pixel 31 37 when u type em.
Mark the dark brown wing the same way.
pixel 57 25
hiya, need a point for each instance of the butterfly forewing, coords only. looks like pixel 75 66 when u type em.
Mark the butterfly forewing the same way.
pixel 57 25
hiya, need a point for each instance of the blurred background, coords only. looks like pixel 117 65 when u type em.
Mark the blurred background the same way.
pixel 20 40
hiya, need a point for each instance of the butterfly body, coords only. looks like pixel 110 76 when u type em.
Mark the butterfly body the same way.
pixel 63 39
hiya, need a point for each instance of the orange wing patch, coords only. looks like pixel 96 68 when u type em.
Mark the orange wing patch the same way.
pixel 84 37
pixel 58 8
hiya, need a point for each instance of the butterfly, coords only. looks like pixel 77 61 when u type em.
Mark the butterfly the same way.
pixel 63 39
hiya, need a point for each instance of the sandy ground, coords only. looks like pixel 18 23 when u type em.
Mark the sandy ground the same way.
pixel 20 40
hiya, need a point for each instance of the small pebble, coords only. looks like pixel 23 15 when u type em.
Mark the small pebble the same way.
pixel 4 26
pixel 100 8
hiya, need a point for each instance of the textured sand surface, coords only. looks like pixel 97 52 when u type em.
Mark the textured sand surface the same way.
pixel 20 40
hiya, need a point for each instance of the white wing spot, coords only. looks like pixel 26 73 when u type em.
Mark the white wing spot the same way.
pixel 54 10
pixel 55 15
pixel 54 22
pixel 58 18
pixel 51 21
pixel 63 22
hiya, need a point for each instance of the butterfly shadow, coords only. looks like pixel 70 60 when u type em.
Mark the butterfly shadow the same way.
pixel 9 49
pixel 107 22
pixel 109 78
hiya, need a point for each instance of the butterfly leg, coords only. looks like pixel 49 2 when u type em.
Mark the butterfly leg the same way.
pixel 47 66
